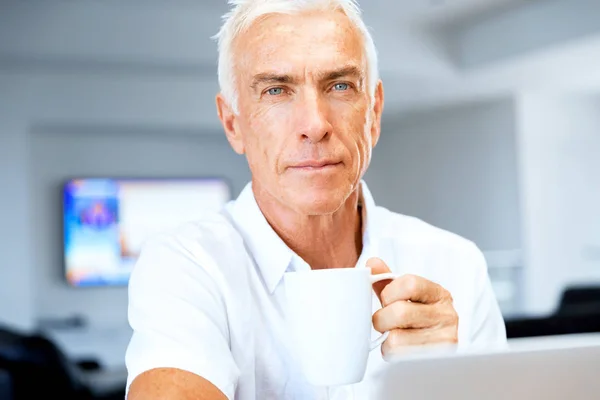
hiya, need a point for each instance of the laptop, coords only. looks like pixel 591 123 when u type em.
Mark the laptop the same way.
pixel 548 368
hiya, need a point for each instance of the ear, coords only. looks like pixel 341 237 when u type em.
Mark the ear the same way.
pixel 376 113
pixel 230 125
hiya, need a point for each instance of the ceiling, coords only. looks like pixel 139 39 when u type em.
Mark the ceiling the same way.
pixel 176 33
pixel 411 10
pixel 431 51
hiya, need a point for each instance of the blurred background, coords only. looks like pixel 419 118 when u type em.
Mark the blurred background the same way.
pixel 491 129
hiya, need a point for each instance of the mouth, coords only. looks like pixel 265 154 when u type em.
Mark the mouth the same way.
pixel 315 165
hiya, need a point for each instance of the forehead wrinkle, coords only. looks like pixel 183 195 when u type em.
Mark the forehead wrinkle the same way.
pixel 259 43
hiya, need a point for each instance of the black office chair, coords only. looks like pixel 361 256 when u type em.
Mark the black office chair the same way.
pixel 578 312
pixel 33 365
pixel 580 300
pixel 5 385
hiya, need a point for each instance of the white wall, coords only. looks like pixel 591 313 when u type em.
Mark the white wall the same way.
pixel 559 148
pixel 454 167
pixel 16 294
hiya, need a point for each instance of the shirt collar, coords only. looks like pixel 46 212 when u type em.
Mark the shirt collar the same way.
pixel 269 251
pixel 370 242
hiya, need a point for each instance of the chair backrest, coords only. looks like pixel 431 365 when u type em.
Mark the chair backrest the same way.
pixel 34 362
pixel 580 300
pixel 578 312
pixel 560 324
pixel 5 385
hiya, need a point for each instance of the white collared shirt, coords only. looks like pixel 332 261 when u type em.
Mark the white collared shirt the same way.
pixel 208 298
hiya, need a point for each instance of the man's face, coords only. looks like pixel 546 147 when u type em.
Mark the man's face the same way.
pixel 306 120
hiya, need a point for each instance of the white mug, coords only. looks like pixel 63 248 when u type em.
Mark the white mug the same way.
pixel 329 314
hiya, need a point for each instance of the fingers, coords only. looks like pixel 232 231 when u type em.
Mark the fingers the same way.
pixel 415 312
pixel 415 289
pixel 409 315
pixel 378 267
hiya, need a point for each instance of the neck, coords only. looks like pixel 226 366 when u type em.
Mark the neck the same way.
pixel 323 241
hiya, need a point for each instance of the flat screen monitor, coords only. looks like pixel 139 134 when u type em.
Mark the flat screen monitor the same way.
pixel 107 221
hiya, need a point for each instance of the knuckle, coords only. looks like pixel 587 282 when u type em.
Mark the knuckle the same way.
pixel 449 316
pixel 411 283
pixel 400 311
pixel 448 296
pixel 454 317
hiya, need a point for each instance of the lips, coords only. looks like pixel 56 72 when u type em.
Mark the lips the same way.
pixel 315 164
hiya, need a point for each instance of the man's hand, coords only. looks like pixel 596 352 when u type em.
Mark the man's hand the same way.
pixel 414 310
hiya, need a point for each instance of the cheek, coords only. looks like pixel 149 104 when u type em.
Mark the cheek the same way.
pixel 267 135
pixel 270 121
pixel 356 138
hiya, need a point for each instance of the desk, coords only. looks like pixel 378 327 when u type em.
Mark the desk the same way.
pixel 107 345
pixel 552 342
pixel 104 381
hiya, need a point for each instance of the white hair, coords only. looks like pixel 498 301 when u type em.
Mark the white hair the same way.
pixel 245 12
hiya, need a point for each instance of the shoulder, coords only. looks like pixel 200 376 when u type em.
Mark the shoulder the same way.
pixel 421 248
pixel 180 307
pixel 194 250
pixel 410 229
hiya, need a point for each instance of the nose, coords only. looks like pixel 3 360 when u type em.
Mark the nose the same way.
pixel 311 117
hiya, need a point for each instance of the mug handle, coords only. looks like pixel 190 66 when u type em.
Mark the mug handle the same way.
pixel 376 278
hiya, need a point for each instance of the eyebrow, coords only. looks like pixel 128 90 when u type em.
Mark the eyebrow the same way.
pixel 350 70
pixel 269 78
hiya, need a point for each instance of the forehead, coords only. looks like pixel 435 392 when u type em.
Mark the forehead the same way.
pixel 310 41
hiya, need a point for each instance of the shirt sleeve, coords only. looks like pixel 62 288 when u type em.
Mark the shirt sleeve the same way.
pixel 178 315
pixel 487 328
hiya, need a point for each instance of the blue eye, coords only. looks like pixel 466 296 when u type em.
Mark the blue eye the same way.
pixel 275 91
pixel 340 86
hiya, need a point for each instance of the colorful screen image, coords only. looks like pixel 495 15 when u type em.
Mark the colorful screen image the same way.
pixel 107 221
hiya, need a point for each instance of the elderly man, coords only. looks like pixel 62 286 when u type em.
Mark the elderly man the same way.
pixel 301 99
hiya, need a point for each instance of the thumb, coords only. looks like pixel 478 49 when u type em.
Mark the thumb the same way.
pixel 378 267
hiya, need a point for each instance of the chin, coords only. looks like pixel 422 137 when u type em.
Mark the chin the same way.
pixel 317 199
